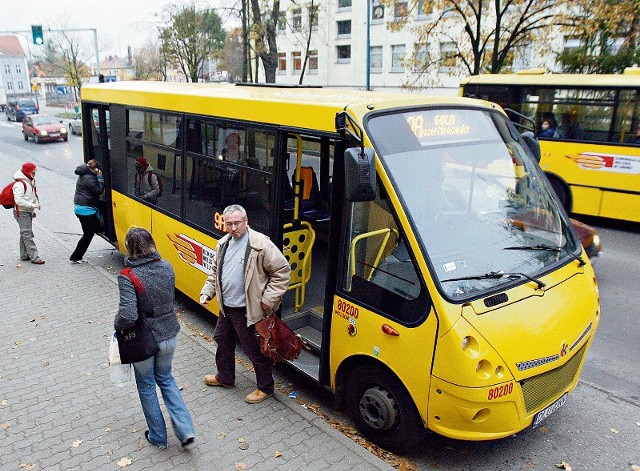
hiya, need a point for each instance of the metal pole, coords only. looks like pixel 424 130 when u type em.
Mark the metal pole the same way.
pixel 95 43
pixel 368 52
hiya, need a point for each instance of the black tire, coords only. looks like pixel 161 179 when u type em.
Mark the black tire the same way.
pixel 71 130
pixel 562 191
pixel 383 410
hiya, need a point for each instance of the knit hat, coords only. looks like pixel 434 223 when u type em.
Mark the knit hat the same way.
pixel 28 168
pixel 142 161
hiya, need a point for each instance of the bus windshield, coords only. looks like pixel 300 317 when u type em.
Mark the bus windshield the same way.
pixel 478 203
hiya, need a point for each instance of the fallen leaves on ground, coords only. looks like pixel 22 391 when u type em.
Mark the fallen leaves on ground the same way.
pixel 5 425
pixel 564 465
pixel 76 444
pixel 122 462
pixel 635 467
pixel 277 454
pixel 241 466
pixel 614 430
pixel 27 465
pixel 221 435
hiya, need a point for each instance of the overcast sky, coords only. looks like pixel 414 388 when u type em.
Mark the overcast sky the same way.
pixel 119 23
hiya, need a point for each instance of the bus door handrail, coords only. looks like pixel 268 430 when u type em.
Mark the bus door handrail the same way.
pixel 387 231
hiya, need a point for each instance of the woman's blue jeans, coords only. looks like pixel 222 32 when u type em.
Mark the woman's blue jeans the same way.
pixel 157 370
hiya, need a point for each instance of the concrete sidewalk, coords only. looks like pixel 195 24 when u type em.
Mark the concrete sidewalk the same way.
pixel 58 409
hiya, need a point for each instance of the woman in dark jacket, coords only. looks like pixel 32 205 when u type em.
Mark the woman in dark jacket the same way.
pixel 89 187
pixel 154 298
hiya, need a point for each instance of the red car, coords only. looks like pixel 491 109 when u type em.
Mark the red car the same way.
pixel 43 128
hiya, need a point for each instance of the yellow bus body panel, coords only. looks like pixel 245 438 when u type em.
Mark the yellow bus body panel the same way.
pixel 600 176
pixel 408 355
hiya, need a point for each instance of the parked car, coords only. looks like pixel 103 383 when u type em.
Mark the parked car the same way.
pixel 75 124
pixel 43 128
pixel 18 108
pixel 589 238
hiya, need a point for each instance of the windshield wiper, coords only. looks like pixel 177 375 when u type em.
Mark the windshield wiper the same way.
pixel 496 275
pixel 550 248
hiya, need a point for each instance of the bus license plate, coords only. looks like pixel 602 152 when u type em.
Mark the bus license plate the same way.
pixel 543 414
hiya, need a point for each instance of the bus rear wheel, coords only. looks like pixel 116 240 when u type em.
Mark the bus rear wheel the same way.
pixel 383 410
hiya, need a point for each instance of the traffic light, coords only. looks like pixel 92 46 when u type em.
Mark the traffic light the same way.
pixel 36 31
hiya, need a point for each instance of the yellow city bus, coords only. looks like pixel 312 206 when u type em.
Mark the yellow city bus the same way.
pixel 591 153
pixel 436 281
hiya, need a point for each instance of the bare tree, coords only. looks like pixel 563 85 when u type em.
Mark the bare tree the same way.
pixel 263 33
pixel 483 35
pixel 147 62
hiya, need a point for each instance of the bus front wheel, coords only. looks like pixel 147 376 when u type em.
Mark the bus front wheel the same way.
pixel 383 410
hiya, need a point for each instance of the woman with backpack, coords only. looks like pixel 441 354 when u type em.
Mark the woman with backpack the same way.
pixel 25 202
pixel 89 187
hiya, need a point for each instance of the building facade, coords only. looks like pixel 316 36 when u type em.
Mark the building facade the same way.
pixel 336 31
pixel 14 70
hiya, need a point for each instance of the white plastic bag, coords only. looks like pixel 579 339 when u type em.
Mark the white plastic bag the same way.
pixel 119 374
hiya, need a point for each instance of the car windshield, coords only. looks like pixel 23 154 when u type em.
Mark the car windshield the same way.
pixel 26 103
pixel 41 120
pixel 480 206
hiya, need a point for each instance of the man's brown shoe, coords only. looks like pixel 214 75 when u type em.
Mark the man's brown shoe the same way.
pixel 212 380
pixel 256 396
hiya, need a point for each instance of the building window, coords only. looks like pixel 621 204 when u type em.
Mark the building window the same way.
pixel 297 19
pixel 448 56
pixel 296 58
pixel 344 28
pixel 397 58
pixel 344 54
pixel 9 85
pixel 420 57
pixel 425 7
pixel 7 69
pixel 571 44
pixel 18 69
pixel 375 59
pixel 377 10
pixel 313 61
pixel 344 3
pixel 20 85
pixel 313 17
pixel 400 10
pixel 282 62
pixel 282 21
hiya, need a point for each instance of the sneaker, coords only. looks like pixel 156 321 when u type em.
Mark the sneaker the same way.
pixel 188 443
pixel 212 380
pixel 38 261
pixel 256 396
pixel 78 262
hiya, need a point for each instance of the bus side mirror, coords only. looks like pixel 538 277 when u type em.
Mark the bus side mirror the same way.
pixel 359 174
pixel 532 144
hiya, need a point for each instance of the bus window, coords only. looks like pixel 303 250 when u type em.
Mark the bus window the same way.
pixel 229 165
pixel 381 270
pixel 154 136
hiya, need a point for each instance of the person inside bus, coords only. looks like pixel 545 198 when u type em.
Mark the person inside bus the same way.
pixel 548 126
pixel 636 138
pixel 146 185
pixel 570 128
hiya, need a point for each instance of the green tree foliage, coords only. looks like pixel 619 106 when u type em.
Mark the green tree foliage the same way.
pixel 191 36
pixel 483 35
pixel 608 32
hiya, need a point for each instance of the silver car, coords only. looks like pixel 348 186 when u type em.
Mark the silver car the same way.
pixel 75 125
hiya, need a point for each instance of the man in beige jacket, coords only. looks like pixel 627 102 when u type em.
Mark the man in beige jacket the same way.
pixel 249 276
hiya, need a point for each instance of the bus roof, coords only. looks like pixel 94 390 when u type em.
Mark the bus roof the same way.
pixel 628 80
pixel 301 107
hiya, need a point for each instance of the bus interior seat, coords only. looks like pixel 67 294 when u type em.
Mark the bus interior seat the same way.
pixel 311 204
pixel 396 273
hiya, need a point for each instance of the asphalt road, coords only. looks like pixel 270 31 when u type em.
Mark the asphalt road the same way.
pixel 598 428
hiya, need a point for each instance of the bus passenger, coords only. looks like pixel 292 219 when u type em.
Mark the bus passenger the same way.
pixel 636 139
pixel 547 129
pixel 86 201
pixel 146 185
pixel 570 128
pixel 255 277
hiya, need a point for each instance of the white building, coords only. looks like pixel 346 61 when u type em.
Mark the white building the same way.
pixel 14 70
pixel 338 46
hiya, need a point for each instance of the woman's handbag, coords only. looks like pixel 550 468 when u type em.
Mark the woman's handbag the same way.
pixel 136 343
pixel 277 341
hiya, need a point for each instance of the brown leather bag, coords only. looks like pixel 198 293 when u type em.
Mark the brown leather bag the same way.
pixel 277 341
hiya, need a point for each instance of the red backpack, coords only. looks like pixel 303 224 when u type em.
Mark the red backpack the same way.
pixel 6 197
